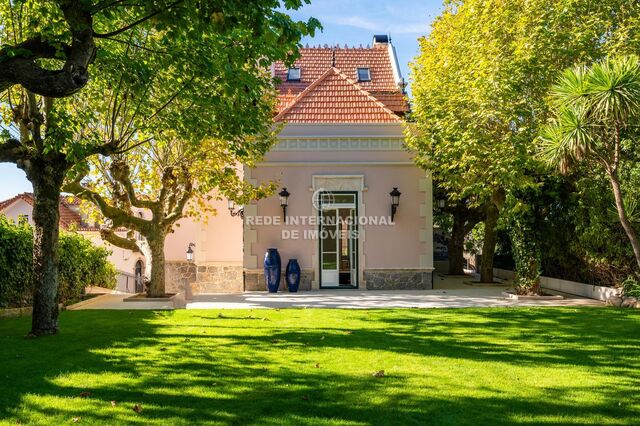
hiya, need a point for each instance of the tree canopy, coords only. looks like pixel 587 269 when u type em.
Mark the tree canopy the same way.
pixel 597 113
pixel 208 59
pixel 481 82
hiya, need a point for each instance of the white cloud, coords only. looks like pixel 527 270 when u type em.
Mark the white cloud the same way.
pixel 375 26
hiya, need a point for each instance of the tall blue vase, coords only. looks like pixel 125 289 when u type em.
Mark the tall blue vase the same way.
pixel 293 275
pixel 272 266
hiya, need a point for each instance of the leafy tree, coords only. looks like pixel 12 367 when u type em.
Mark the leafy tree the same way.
pixel 597 112
pixel 459 218
pixel 480 83
pixel 164 180
pixel 212 53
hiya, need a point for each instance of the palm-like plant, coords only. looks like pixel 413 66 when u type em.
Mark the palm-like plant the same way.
pixel 597 107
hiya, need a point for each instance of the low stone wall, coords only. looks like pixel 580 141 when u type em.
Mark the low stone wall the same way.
pixel 254 281
pixel 176 274
pixel 204 278
pixel 503 274
pixel 570 287
pixel 398 279
pixel 218 278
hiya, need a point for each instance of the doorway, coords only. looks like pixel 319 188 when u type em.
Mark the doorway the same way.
pixel 338 237
pixel 139 277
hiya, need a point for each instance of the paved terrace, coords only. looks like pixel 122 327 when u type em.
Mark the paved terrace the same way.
pixel 449 292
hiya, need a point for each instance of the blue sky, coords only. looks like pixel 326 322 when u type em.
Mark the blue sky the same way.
pixel 345 21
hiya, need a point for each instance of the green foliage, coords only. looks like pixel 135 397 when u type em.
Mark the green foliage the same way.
pixel 481 83
pixel 631 287
pixel 597 109
pixel 81 264
pixel 482 76
pixel 526 253
pixel 16 244
pixel 593 107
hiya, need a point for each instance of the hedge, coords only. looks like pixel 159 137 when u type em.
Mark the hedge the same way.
pixel 81 264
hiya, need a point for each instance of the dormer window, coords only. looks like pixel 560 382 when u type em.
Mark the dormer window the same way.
pixel 293 74
pixel 364 74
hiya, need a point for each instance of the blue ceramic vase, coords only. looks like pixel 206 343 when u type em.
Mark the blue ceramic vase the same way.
pixel 293 275
pixel 272 265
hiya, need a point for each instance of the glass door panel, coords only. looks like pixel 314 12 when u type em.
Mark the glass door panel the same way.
pixel 329 247
pixel 338 240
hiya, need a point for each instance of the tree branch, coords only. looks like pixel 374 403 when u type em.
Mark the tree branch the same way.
pixel 178 210
pixel 110 236
pixel 23 69
pixel 118 216
pixel 120 172
pixel 11 151
pixel 135 23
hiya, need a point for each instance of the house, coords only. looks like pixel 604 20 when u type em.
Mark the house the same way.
pixel 127 263
pixel 352 207
pixel 357 211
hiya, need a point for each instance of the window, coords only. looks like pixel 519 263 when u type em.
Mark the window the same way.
pixel 364 74
pixel 293 74
pixel 23 219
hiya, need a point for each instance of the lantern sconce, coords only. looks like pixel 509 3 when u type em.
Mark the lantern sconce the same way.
pixel 441 203
pixel 190 252
pixel 284 202
pixel 232 209
pixel 395 201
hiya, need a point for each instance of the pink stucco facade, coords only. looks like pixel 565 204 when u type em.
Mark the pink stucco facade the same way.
pixel 365 159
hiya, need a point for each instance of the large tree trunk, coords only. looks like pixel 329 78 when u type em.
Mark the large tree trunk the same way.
pixel 624 220
pixel 156 285
pixel 456 245
pixel 464 219
pixel 47 178
pixel 489 243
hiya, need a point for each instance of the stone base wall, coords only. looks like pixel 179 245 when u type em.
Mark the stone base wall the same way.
pixel 398 279
pixel 219 278
pixel 176 274
pixel 254 281
pixel 204 278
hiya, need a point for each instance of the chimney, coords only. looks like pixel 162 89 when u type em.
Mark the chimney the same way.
pixel 379 39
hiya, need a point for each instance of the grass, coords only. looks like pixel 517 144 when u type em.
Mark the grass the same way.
pixel 305 366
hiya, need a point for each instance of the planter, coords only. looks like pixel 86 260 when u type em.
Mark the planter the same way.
pixel 272 270
pixel 293 275
pixel 142 297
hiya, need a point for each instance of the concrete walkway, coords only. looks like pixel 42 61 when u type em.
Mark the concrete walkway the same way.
pixel 449 292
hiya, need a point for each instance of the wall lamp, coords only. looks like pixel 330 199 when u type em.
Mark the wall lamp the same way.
pixel 190 252
pixel 284 202
pixel 395 201
pixel 232 209
pixel 441 203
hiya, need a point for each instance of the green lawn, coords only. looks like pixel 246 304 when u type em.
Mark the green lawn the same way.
pixel 297 366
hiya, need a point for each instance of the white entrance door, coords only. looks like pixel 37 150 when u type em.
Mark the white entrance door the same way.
pixel 338 240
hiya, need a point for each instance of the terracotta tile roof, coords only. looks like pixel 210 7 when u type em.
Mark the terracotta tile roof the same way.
pixel 334 98
pixel 314 63
pixel 68 216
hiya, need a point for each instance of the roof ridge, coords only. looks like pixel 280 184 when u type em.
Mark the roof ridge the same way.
pixel 335 71
pixel 368 94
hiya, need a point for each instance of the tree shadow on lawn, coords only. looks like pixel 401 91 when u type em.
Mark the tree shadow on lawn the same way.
pixel 207 368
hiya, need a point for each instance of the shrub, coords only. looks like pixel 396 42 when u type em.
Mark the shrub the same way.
pixel 81 264
pixel 631 287
pixel 16 247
